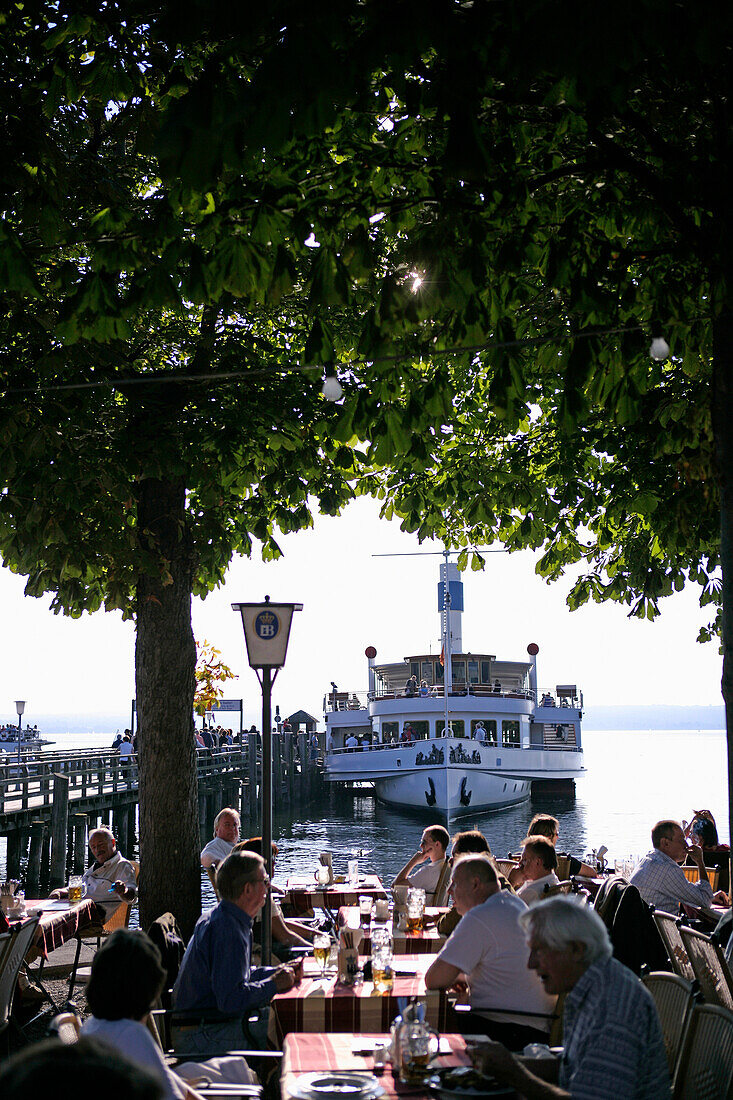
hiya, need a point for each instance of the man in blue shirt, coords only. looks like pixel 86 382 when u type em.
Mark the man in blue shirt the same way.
pixel 216 978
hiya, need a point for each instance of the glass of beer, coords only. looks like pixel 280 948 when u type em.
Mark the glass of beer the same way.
pixel 76 889
pixel 382 960
pixel 415 908
pixel 419 1044
pixel 365 909
pixel 321 949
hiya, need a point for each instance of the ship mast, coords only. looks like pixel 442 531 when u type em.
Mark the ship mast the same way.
pixel 446 647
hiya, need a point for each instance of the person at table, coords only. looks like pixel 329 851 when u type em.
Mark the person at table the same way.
pixel 111 878
pixel 549 826
pixel 612 1039
pixel 285 932
pixel 226 834
pixel 702 830
pixel 216 975
pixel 487 956
pixel 126 981
pixel 661 881
pixel 470 842
pixel 425 868
pixel 536 870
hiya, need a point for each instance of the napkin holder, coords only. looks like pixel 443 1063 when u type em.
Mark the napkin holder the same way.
pixel 326 861
pixel 348 956
pixel 399 894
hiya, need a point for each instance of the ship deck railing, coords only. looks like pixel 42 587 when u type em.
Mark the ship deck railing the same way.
pixel 343 701
pixel 548 746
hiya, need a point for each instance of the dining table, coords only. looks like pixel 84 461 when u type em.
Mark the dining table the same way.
pixel 305 1052
pixel 303 894
pixel 59 921
pixel 426 942
pixel 320 1003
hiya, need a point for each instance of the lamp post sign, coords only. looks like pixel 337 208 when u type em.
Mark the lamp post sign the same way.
pixel 266 633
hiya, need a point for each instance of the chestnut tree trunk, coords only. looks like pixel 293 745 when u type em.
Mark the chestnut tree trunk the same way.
pixel 165 661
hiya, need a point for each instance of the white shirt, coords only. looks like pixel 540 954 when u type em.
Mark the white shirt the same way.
pixel 426 876
pixel 133 1039
pixel 489 946
pixel 530 892
pixel 98 880
pixel 126 748
pixel 217 849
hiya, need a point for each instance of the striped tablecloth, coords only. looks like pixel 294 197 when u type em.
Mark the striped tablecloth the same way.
pixel 308 1053
pixel 60 924
pixel 403 943
pixel 321 1005
pixel 303 894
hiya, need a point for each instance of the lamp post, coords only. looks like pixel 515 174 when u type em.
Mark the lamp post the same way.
pixel 20 707
pixel 266 632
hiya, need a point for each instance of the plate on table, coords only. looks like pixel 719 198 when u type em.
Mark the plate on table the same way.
pixel 346 1086
pixel 463 1083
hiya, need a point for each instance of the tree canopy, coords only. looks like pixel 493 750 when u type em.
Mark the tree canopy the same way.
pixel 477 215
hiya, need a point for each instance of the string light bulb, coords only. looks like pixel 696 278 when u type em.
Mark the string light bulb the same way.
pixel 659 349
pixel 332 389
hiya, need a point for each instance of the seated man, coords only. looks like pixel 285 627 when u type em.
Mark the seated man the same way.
pixel 286 932
pixel 489 947
pixel 216 977
pixel 226 835
pixel 661 881
pixel 110 874
pixel 536 869
pixel 549 826
pixel 431 854
pixel 471 842
pixel 612 1040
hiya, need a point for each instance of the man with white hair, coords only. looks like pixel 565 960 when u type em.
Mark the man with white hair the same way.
pixel 110 879
pixel 227 824
pixel 612 1038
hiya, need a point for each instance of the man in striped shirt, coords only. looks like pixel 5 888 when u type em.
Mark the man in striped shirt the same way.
pixel 613 1044
pixel 661 881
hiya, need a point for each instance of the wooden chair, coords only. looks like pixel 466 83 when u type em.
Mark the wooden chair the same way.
pixel 710 967
pixel 705 1066
pixel 669 930
pixel 692 874
pixel 120 919
pixel 506 865
pixel 674 998
pixel 14 946
pixel 440 895
pixel 561 888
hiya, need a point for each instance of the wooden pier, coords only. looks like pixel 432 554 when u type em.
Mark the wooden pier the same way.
pixel 50 801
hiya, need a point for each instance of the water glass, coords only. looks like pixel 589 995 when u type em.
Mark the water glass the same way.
pixel 353 869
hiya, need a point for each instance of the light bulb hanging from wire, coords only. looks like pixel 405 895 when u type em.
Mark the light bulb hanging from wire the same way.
pixel 332 389
pixel 659 349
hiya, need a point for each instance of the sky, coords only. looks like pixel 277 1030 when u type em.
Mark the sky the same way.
pixel 352 599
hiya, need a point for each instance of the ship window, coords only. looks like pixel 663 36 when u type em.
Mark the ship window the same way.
pixel 459 672
pixel 510 733
pixel 457 727
pixel 390 730
pixel 419 729
pixel 427 671
pixel 439 670
pixel 415 669
pixel 489 725
pixel 473 672
pixel 485 672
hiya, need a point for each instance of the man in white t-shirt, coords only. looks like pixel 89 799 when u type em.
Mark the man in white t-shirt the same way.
pixel 110 879
pixel 536 869
pixel 487 952
pixel 425 868
pixel 226 835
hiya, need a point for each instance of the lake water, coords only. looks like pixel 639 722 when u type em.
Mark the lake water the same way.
pixel 634 777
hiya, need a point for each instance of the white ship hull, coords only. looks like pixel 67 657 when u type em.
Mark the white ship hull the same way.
pixel 453 776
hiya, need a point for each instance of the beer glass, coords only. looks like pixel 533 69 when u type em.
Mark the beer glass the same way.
pixel 76 889
pixel 415 908
pixel 322 949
